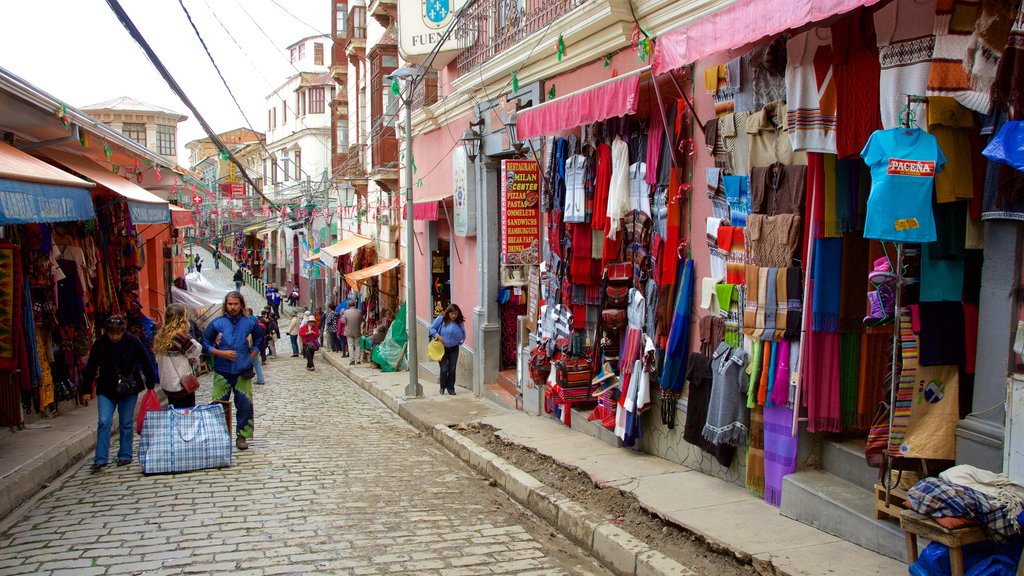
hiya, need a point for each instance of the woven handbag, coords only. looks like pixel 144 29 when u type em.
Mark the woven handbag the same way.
pixel 176 440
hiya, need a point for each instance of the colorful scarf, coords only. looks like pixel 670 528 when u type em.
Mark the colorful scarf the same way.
pixel 828 262
pixel 852 300
pixel 906 387
pixel 755 374
pixel 673 374
pixel 780 447
pixel 10 304
pixel 849 368
pixel 794 289
pixel 771 304
pixel 875 359
pixel 750 300
pixel 779 394
pixel 762 298
pixel 823 403
pixel 781 303
pixel 755 452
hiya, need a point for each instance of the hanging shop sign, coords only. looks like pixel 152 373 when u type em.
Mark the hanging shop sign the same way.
pixel 463 193
pixel 233 190
pixel 520 212
pixel 440 281
pixel 421 25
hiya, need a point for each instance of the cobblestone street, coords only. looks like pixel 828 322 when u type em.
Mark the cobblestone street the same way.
pixel 333 483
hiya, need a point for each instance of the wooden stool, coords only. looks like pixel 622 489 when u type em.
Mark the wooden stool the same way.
pixel 897 502
pixel 915 525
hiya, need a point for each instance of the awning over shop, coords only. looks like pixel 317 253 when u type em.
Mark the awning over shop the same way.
pixel 144 206
pixel 33 191
pixel 182 217
pixel 313 258
pixel 251 229
pixel 615 97
pixel 738 24
pixel 354 279
pixel 346 246
pixel 428 207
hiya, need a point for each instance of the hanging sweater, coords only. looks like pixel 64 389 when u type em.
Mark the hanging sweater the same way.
pixel 727 411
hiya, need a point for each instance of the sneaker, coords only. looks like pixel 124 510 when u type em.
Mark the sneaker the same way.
pixel 883 306
pixel 241 443
pixel 882 272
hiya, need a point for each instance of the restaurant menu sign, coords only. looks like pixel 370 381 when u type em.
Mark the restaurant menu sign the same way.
pixel 520 212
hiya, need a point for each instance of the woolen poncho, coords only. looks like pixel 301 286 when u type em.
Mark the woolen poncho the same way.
pixel 727 412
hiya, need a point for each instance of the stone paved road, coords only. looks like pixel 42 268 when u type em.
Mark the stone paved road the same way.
pixel 333 483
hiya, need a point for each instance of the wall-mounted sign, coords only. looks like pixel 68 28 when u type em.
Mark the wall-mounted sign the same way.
pixel 520 212
pixel 233 190
pixel 421 24
pixel 463 193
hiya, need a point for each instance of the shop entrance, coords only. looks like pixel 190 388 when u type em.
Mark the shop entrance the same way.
pixel 440 278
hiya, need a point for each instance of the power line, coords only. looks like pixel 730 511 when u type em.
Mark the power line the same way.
pixel 115 6
pixel 297 19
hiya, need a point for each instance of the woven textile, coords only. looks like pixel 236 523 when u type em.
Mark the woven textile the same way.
pixel 828 263
pixel 181 440
pixel 906 387
pixel 10 304
pixel 935 497
pixel 780 446
pixel 755 453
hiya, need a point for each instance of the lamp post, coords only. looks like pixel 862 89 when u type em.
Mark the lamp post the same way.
pixel 413 389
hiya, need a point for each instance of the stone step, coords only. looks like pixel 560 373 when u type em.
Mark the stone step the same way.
pixel 430 371
pixel 595 429
pixel 499 395
pixel 831 504
pixel 845 459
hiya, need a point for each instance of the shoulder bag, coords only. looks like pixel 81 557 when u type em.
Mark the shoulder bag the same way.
pixel 127 385
pixel 189 384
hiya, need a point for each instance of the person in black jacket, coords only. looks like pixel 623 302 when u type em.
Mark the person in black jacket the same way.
pixel 116 355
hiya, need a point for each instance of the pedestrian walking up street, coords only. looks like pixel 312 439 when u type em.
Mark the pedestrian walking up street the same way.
pixel 120 367
pixel 450 329
pixel 176 355
pixel 353 323
pixel 310 336
pixel 294 325
pixel 232 340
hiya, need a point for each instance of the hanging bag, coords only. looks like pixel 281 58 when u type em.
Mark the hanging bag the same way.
pixel 150 402
pixel 127 385
pixel 189 384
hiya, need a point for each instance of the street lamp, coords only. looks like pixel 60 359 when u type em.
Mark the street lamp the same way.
pixel 413 389
pixel 471 138
pixel 510 125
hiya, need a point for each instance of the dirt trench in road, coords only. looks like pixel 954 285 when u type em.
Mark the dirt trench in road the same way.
pixel 614 505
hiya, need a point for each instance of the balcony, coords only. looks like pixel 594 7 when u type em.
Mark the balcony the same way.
pixel 383 11
pixel 384 159
pixel 489 27
pixel 356 33
pixel 351 166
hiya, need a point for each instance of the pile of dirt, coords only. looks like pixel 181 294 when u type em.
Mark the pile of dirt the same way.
pixel 621 508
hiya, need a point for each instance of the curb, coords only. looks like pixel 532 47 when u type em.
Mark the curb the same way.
pixel 615 548
pixel 28 480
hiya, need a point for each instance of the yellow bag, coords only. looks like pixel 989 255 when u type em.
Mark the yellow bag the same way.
pixel 435 350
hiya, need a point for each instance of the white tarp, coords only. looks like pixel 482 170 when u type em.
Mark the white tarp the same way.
pixel 201 293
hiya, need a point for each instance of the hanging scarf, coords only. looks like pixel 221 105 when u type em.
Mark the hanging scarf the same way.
pixel 828 262
pixel 750 302
pixel 989 40
pixel 755 453
pixel 823 403
pixel 768 374
pixel 794 289
pixel 875 359
pixel 779 394
pixel 781 303
pixel 771 304
pixel 855 271
pixel 673 375
pixel 845 180
pixel 849 366
pixel 780 448
pixel 831 215
pixel 755 374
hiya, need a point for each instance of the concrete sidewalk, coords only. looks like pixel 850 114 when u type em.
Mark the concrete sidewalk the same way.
pixel 722 513
pixel 32 458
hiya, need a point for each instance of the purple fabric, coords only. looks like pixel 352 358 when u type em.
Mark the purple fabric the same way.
pixel 779 451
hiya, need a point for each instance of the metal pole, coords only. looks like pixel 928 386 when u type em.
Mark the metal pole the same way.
pixel 413 389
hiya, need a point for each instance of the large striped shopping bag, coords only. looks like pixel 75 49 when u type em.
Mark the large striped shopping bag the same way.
pixel 179 440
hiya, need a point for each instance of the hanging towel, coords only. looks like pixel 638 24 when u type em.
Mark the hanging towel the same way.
pixel 849 366
pixel 828 262
pixel 852 300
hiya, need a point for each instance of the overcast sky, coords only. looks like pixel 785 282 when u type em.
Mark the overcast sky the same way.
pixel 78 51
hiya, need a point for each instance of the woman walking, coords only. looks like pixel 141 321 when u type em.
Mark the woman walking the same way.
pixel 294 325
pixel 117 363
pixel 310 336
pixel 450 329
pixel 176 355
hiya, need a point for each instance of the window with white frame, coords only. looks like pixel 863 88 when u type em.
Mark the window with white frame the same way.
pixel 136 131
pixel 165 140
